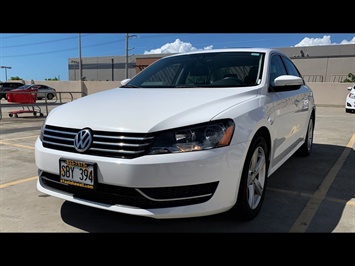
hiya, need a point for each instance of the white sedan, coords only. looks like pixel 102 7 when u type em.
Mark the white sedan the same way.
pixel 193 134
pixel 350 100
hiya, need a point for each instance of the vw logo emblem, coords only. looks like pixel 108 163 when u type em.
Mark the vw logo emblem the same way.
pixel 83 140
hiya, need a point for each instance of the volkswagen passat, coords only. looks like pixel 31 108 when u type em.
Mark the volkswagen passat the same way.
pixel 193 134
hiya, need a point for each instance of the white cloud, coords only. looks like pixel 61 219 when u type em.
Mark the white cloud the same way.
pixel 176 47
pixel 322 41
pixel 352 41
pixel 179 46
pixel 315 41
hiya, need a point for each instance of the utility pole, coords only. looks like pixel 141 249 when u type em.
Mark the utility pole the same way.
pixel 6 68
pixel 112 68
pixel 80 63
pixel 127 49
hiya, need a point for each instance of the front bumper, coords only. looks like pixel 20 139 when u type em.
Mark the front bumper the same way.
pixel 159 186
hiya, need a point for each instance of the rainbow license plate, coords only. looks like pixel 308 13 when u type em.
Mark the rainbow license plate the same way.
pixel 77 173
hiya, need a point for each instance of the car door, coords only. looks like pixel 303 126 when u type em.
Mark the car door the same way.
pixel 303 97
pixel 288 120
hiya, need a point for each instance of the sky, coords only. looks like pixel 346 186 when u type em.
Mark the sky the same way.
pixel 41 56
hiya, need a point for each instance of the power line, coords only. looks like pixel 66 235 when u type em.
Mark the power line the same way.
pixel 56 51
pixel 37 43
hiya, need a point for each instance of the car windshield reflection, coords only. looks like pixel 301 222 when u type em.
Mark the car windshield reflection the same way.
pixel 234 69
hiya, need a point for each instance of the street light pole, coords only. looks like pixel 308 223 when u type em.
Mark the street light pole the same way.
pixel 6 68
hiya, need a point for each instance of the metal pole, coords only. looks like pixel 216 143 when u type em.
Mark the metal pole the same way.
pixel 127 49
pixel 6 68
pixel 126 76
pixel 80 63
pixel 112 67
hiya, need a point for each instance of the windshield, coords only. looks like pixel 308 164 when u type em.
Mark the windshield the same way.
pixel 227 69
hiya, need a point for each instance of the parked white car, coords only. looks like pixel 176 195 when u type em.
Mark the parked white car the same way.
pixel 193 134
pixel 350 100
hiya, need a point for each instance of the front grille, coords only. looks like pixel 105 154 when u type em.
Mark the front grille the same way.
pixel 148 198
pixel 105 143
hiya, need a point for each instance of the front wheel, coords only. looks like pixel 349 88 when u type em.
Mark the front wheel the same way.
pixel 253 181
pixel 306 148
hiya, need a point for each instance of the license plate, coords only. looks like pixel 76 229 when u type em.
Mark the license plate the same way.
pixel 77 173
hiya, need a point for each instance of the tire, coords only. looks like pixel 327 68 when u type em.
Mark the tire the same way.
pixel 253 181
pixel 50 96
pixel 306 148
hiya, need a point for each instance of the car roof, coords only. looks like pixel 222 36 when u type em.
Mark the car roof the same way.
pixel 40 85
pixel 226 50
pixel 7 83
pixel 11 82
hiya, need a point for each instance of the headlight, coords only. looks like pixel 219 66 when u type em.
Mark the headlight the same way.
pixel 351 95
pixel 194 138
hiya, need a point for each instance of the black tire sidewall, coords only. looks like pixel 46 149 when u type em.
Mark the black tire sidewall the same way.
pixel 306 149
pixel 242 208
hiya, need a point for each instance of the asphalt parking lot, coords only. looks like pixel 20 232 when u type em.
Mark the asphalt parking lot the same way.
pixel 306 195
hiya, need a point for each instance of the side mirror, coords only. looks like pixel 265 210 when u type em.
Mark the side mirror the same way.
pixel 287 80
pixel 286 83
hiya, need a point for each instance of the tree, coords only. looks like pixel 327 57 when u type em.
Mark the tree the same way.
pixel 16 78
pixel 351 78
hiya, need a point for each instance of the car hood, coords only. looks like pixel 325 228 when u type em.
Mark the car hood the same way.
pixel 147 110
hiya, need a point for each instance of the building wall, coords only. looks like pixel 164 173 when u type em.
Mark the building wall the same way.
pixel 326 69
pixel 325 63
pixel 142 63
